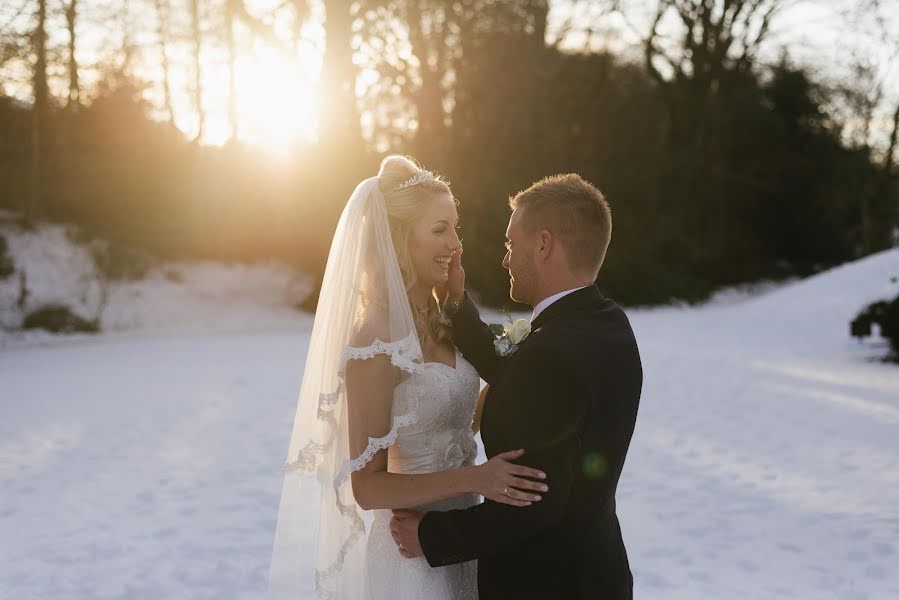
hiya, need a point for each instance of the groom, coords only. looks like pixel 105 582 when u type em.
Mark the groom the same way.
pixel 568 395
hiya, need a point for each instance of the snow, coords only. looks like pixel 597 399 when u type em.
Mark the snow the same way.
pixel 175 297
pixel 145 462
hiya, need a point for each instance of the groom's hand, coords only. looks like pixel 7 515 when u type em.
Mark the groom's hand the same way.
pixel 404 529
pixel 452 293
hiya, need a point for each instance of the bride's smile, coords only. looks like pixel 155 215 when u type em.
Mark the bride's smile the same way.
pixel 433 242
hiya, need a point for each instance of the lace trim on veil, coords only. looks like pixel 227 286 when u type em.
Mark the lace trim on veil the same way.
pixel 309 457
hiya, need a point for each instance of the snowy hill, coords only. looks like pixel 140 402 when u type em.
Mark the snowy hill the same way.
pixel 765 463
pixel 810 315
pixel 815 313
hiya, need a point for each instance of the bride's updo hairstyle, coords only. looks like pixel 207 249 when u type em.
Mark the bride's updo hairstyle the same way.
pixel 404 207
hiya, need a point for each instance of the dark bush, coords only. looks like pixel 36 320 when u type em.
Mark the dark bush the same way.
pixel 59 318
pixel 886 315
pixel 7 267
pixel 310 302
pixel 120 262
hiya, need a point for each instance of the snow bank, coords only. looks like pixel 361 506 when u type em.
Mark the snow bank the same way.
pixel 176 296
pixel 55 271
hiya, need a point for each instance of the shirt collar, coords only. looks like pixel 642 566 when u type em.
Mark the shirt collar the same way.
pixel 545 303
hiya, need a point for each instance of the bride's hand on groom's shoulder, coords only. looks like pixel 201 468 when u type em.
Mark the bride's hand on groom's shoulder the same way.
pixel 452 293
pixel 500 480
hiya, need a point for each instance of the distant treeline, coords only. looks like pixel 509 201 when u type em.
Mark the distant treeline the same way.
pixel 719 172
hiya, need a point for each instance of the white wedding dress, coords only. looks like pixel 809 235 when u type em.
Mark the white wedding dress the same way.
pixel 441 439
pixel 321 538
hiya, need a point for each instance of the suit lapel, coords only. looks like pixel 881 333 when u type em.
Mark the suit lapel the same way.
pixel 589 296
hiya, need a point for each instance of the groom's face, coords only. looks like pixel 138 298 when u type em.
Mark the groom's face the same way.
pixel 519 260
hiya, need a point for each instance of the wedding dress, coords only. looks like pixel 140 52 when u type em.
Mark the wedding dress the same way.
pixel 321 538
pixel 441 439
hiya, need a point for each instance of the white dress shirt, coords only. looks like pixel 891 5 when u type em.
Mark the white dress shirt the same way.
pixel 544 304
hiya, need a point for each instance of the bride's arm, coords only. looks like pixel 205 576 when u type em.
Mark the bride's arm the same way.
pixel 369 385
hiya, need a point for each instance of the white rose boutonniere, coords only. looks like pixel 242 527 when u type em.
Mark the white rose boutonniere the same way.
pixel 510 335
pixel 519 330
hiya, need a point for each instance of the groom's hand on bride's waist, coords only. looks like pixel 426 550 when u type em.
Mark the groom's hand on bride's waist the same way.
pixel 404 529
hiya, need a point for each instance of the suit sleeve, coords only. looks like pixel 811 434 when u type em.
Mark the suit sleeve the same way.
pixel 475 340
pixel 547 421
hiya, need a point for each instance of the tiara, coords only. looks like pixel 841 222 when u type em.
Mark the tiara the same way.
pixel 420 177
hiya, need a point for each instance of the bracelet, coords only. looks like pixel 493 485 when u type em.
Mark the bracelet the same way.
pixel 451 307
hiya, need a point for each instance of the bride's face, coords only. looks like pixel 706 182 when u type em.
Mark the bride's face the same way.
pixel 434 240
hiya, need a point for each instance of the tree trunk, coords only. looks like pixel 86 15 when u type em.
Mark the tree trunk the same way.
pixel 339 122
pixel 74 99
pixel 39 113
pixel 884 219
pixel 162 33
pixel 539 11
pixel 232 71
pixel 129 50
pixel 431 136
pixel 198 72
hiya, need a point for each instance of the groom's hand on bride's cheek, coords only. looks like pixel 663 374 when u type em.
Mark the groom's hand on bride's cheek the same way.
pixel 456 281
pixel 454 290
pixel 404 529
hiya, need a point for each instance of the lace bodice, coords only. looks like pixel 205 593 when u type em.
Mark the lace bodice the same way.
pixel 441 437
pixel 444 400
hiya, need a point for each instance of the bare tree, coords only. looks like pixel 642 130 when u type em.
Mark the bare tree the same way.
pixel 162 37
pixel 865 93
pixel 39 111
pixel 12 43
pixel 197 41
pixel 589 20
pixel 713 38
pixel 129 51
pixel 885 195
pixel 74 97
pixel 339 123
pixel 231 9
pixel 430 24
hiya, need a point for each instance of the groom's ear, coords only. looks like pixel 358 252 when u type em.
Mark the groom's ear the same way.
pixel 545 243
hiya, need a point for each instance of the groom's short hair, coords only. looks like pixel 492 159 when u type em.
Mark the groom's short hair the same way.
pixel 574 211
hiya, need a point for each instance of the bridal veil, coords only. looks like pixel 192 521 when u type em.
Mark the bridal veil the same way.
pixel 320 527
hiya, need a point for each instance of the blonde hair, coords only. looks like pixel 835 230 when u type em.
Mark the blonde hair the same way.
pixel 404 207
pixel 574 211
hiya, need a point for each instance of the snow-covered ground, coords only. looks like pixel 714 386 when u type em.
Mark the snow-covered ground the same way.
pixel 145 462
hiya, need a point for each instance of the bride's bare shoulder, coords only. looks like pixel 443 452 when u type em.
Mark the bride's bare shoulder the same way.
pixel 371 326
pixel 367 356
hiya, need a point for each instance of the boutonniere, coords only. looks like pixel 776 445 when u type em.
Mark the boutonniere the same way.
pixel 510 335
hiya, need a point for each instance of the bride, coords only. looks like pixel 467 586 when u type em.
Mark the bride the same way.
pixel 388 407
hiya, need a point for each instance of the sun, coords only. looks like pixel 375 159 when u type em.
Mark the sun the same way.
pixel 276 99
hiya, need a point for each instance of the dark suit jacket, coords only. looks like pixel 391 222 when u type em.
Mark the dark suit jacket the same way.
pixel 569 397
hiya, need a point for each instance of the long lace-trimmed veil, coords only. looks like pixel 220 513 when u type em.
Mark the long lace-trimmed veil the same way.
pixel 363 310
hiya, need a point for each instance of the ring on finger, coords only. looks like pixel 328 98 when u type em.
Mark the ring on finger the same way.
pixel 505 491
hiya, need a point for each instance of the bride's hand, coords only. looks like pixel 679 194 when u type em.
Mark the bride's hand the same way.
pixel 502 481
